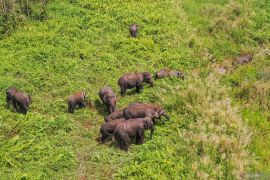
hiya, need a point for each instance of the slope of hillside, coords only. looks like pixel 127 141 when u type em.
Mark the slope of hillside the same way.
pixel 219 124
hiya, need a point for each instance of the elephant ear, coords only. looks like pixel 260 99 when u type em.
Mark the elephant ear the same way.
pixel 148 123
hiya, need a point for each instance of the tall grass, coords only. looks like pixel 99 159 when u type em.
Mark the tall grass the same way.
pixel 206 138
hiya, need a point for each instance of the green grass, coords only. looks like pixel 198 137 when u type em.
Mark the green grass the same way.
pixel 42 58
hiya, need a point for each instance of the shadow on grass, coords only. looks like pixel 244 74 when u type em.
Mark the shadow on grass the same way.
pixel 101 108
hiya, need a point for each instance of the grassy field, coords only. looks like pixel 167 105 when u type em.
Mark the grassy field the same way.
pixel 220 123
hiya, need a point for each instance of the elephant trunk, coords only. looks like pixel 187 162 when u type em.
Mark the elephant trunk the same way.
pixel 151 131
pixel 166 116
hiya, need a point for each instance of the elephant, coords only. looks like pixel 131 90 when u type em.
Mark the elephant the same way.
pixel 107 129
pixel 245 59
pixel 108 98
pixel 168 73
pixel 131 80
pixel 145 110
pixel 133 29
pixel 18 98
pixel 117 114
pixel 77 99
pixel 132 128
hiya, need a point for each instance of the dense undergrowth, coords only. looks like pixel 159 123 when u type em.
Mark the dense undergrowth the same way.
pixel 219 123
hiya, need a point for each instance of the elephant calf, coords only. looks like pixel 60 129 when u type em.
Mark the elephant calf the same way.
pixel 144 110
pixel 132 128
pixel 133 29
pixel 77 99
pixel 117 114
pixel 18 98
pixel 132 80
pixel 108 98
pixel 107 129
pixel 168 73
pixel 243 60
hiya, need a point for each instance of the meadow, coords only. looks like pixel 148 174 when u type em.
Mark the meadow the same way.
pixel 220 123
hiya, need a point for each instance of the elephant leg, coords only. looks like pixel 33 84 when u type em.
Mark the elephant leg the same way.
pixel 138 87
pixel 123 90
pixel 70 108
pixel 103 138
pixel 15 105
pixel 141 136
pixel 118 139
pixel 82 105
pixel 109 108
pixel 24 110
pixel 137 139
pixel 8 102
pixel 125 142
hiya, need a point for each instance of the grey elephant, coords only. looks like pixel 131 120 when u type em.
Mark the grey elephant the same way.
pixel 117 114
pixel 20 100
pixel 134 80
pixel 168 73
pixel 76 100
pixel 107 129
pixel 132 128
pixel 145 110
pixel 245 59
pixel 108 98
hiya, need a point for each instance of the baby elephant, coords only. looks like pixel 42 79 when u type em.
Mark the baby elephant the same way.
pixel 243 60
pixel 117 114
pixel 144 110
pixel 107 129
pixel 132 128
pixel 77 99
pixel 133 29
pixel 108 98
pixel 168 73
pixel 131 80
pixel 18 98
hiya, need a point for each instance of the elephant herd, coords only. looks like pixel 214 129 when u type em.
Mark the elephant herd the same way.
pixel 122 124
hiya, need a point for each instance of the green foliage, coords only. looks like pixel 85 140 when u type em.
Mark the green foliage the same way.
pixel 14 12
pixel 207 136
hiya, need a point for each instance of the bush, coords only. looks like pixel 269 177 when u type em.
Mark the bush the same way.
pixel 13 12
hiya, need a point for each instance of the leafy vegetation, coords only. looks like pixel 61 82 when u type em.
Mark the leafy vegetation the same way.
pixel 14 12
pixel 219 125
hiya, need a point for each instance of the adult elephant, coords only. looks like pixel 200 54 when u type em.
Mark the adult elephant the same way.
pixel 134 80
pixel 141 110
pixel 132 128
